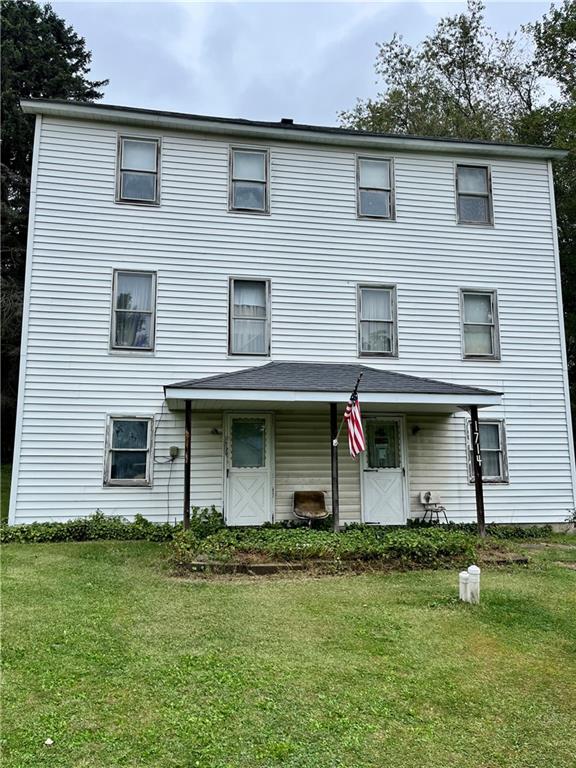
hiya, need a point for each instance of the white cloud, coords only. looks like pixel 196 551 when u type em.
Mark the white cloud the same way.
pixel 234 49
pixel 263 60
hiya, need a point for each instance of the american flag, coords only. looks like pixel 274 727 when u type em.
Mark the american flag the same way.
pixel 353 419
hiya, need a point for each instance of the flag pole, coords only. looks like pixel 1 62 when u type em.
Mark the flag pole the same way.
pixel 334 468
pixel 354 392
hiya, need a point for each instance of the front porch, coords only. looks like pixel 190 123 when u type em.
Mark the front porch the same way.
pixel 273 428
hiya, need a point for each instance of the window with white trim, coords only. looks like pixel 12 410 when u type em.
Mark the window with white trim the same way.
pixel 492 451
pixel 249 180
pixel 473 194
pixel 138 161
pixel 128 458
pixel 479 311
pixel 249 317
pixel 375 195
pixel 377 320
pixel 133 310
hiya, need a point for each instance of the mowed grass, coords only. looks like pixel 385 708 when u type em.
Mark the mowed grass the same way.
pixel 5 478
pixel 122 665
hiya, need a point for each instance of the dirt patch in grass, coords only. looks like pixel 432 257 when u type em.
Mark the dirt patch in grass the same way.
pixel 495 554
pixel 251 564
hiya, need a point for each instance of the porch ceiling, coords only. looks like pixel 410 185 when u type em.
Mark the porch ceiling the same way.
pixel 275 383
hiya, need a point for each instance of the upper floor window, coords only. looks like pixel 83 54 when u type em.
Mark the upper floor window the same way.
pixel 133 303
pixel 473 194
pixel 249 317
pixel 128 451
pixel 492 452
pixel 249 180
pixel 138 170
pixel 377 320
pixel 480 324
pixel 374 178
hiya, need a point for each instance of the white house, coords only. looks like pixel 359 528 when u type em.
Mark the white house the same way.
pixel 245 273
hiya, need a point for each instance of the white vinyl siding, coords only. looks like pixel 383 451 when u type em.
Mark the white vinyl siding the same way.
pixel 439 461
pixel 316 252
pixel 303 462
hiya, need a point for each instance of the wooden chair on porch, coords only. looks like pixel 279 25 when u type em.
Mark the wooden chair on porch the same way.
pixel 310 505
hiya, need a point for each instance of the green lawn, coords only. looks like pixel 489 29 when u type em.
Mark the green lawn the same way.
pixel 5 477
pixel 123 666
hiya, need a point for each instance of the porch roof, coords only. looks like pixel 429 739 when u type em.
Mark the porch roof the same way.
pixel 327 382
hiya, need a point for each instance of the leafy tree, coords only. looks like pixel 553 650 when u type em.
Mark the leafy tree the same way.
pixel 555 39
pixel 465 81
pixel 41 56
pixel 462 81
pixel 555 123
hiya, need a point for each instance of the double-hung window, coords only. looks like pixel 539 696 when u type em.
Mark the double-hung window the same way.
pixel 133 310
pixel 473 194
pixel 249 180
pixel 480 324
pixel 249 317
pixel 138 161
pixel 492 451
pixel 377 320
pixel 128 451
pixel 375 193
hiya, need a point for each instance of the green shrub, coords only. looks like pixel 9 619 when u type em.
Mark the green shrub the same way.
pixel 518 531
pixel 204 522
pixel 97 526
pixel 325 524
pixel 426 547
pixel 289 540
pixel 496 530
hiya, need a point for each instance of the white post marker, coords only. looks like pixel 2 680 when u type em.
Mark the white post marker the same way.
pixel 473 584
pixel 464 586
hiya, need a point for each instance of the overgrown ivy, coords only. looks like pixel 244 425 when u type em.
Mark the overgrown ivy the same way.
pixel 208 538
pixel 495 530
pixel 203 522
pixel 424 547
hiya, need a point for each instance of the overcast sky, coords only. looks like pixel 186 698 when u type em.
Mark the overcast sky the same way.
pixel 259 60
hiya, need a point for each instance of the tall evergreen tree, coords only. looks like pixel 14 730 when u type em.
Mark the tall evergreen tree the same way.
pixel 41 56
pixel 465 81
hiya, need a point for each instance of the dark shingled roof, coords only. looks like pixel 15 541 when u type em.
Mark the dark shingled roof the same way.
pixel 284 124
pixel 327 377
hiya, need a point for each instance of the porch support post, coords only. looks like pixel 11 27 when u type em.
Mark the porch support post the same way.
pixel 477 465
pixel 187 444
pixel 334 465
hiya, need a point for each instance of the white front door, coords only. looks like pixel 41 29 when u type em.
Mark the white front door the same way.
pixel 249 466
pixel 383 472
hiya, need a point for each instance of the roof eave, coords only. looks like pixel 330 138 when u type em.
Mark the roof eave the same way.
pixel 154 119
pixel 291 396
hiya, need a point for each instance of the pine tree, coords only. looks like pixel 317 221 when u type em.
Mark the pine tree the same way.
pixel 43 57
